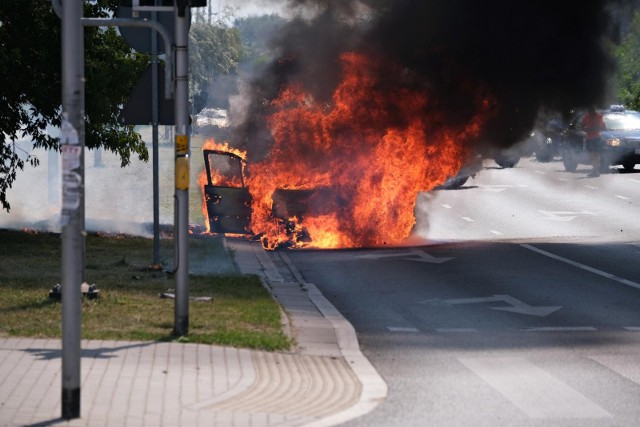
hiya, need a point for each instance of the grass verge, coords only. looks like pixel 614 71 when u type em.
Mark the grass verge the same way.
pixel 242 312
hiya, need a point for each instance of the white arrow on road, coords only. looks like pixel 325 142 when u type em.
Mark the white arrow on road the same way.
pixel 559 215
pixel 517 306
pixel 411 255
pixel 565 216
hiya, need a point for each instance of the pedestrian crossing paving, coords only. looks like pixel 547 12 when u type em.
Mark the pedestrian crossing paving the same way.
pixel 541 395
pixel 535 392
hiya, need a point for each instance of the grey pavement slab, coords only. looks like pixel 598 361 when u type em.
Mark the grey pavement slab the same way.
pixel 325 380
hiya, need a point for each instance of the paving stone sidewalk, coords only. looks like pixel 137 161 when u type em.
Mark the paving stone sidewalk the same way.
pixel 324 381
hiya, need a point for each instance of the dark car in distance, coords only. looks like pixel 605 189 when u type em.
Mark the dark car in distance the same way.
pixel 620 140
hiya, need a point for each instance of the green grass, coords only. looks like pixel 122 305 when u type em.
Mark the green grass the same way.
pixel 242 312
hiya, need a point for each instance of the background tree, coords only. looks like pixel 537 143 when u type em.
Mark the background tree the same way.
pixel 214 50
pixel 628 57
pixel 31 92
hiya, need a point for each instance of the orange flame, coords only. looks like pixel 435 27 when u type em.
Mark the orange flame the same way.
pixel 371 150
pixel 353 147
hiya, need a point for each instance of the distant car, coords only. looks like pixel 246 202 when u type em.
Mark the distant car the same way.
pixel 210 118
pixel 620 140
pixel 542 142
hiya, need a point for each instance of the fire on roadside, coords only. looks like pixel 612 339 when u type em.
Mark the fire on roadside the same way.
pixel 373 149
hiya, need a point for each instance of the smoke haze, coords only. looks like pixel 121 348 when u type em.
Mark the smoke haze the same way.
pixel 524 54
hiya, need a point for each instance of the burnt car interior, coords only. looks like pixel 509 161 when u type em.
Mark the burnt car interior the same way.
pixel 228 200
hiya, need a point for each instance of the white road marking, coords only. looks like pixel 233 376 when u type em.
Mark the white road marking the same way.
pixel 560 329
pixel 446 206
pixel 401 329
pixel 625 365
pixel 591 187
pixel 466 218
pixel 583 267
pixel 425 257
pixel 515 305
pixel 622 197
pixel 564 216
pixel 447 330
pixel 633 180
pixel 496 232
pixel 539 172
pixel 534 391
pixel 494 188
pixel 632 328
pixel 409 255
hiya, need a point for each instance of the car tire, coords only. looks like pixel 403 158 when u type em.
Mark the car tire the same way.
pixel 453 184
pixel 506 161
pixel 544 155
pixel 628 166
pixel 570 162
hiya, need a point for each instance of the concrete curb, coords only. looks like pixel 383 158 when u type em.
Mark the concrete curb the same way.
pixel 374 389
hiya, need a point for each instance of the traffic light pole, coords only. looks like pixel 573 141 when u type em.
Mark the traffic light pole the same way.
pixel 72 147
pixel 182 147
pixel 72 143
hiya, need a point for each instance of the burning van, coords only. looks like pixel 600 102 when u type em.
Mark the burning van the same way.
pixel 228 202
pixel 337 172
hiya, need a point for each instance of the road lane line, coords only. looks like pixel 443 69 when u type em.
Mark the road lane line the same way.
pixel 456 330
pixel 401 329
pixel 622 197
pixel 583 267
pixel 625 365
pixel 466 218
pixel 446 206
pixel 632 328
pixel 633 180
pixel 591 187
pixel 496 232
pixel 560 329
pixel 534 391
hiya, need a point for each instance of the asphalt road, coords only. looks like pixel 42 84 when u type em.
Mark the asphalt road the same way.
pixel 519 306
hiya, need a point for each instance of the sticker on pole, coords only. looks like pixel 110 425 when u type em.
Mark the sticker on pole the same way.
pixel 182 145
pixel 182 173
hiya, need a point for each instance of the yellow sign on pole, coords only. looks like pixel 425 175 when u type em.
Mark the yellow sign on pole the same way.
pixel 182 144
pixel 182 173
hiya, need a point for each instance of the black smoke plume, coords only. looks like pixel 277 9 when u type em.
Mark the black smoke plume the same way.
pixel 527 54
